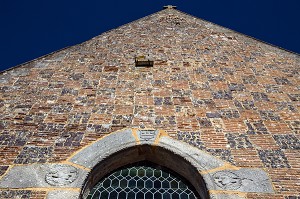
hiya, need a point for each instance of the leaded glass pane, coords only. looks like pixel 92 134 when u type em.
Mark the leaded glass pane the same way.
pixel 141 182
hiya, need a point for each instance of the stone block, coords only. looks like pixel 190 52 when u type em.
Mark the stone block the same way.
pixel 147 136
pixel 108 145
pixel 43 175
pixel 243 180
pixel 201 160
pixel 62 194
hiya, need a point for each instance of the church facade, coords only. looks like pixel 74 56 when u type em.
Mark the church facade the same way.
pixel 216 107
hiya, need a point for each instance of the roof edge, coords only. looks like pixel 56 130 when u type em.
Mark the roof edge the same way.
pixel 40 57
pixel 163 10
pixel 67 47
pixel 242 34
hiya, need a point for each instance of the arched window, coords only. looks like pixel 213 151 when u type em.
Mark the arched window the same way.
pixel 114 176
pixel 143 180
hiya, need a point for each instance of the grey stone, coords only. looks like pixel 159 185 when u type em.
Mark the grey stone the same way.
pixel 41 65
pixel 19 72
pixel 243 180
pixel 60 175
pixel 201 160
pixel 62 194
pixel 35 175
pixel 57 57
pixel 147 136
pixel 108 145
pixel 4 78
pixel 226 196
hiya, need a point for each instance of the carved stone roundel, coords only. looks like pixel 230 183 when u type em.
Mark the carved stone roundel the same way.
pixel 227 180
pixel 60 175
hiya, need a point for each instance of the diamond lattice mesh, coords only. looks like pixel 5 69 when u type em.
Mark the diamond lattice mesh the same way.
pixel 141 182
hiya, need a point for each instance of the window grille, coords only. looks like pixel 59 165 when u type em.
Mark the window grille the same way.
pixel 142 182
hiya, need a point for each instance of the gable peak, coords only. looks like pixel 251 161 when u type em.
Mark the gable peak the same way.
pixel 170 7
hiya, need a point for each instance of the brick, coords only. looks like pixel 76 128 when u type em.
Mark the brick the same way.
pixel 285 180
pixel 264 196
pixel 263 141
pixel 8 154
pixel 249 115
pixel 293 157
pixel 100 118
pixel 164 110
pixel 214 140
pixel 277 127
pixel 43 138
pixel 234 126
pixel 246 158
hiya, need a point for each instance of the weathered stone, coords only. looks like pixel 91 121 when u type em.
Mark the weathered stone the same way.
pixel 244 180
pixel 60 175
pixel 200 159
pixel 226 196
pixel 43 175
pixel 62 194
pixel 147 136
pixel 99 150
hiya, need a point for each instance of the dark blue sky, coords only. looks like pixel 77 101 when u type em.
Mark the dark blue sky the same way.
pixel 30 29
